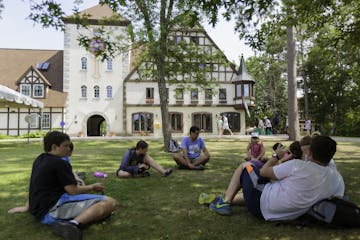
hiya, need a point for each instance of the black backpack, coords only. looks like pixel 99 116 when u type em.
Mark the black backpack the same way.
pixel 336 212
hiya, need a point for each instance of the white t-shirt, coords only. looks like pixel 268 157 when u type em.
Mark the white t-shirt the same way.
pixel 226 123
pixel 300 185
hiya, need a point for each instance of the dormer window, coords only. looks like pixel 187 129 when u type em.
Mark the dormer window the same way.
pixel 44 66
pixel 25 89
pixel 38 90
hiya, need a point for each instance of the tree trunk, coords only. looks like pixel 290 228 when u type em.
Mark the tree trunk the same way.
pixel 294 131
pixel 160 63
pixel 306 101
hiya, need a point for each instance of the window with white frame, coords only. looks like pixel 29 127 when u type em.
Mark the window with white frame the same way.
pixel 25 89
pixel 83 91
pixel 109 63
pixel 109 91
pixel 45 120
pixel 238 90
pixel 96 92
pixel 83 63
pixel 246 90
pixel 38 90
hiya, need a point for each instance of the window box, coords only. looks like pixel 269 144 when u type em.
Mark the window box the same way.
pixel 149 100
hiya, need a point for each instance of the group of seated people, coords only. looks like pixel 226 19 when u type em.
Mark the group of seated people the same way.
pixel 272 188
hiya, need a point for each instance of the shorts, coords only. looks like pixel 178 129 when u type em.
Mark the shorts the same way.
pixel 70 206
pixel 251 193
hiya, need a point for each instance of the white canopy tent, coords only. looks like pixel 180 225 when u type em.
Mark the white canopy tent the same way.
pixel 12 98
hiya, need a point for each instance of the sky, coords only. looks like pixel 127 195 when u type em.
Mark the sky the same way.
pixel 21 33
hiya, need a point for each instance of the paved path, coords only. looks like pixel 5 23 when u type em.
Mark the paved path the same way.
pixel 279 137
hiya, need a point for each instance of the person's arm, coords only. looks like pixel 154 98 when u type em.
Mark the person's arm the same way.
pixel 79 180
pixel 286 157
pixel 75 189
pixel 206 152
pixel 267 170
pixel 185 155
pixel 262 153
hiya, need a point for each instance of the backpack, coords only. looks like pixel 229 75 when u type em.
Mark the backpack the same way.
pixel 174 146
pixel 336 212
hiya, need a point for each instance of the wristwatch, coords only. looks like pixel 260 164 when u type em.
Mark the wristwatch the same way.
pixel 274 155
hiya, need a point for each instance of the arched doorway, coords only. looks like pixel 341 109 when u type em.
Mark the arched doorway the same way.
pixel 95 126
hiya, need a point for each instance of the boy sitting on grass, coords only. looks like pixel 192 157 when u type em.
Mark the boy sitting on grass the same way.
pixel 56 199
pixel 136 161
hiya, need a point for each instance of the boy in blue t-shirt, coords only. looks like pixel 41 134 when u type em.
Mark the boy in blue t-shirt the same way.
pixel 191 157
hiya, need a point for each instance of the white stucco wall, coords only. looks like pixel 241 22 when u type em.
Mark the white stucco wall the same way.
pixel 79 109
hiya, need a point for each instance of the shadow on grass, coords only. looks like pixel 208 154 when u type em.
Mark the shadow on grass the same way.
pixel 158 207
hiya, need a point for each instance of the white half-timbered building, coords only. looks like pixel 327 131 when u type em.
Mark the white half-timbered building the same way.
pixel 84 96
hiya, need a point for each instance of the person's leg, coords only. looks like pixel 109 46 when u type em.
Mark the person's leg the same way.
pixel 234 185
pixel 179 159
pixel 150 161
pixel 238 199
pixel 202 160
pixel 222 205
pixel 97 211
pixel 123 174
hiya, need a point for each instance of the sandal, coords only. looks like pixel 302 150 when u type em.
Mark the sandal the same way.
pixel 167 172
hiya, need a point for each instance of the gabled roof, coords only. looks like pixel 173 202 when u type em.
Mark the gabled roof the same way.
pixel 31 68
pixel 100 15
pixel 242 74
pixel 197 28
pixel 14 63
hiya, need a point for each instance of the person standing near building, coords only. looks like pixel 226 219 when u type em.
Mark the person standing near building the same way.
pixel 268 126
pixel 261 126
pixel 308 126
pixel 226 124
pixel 219 123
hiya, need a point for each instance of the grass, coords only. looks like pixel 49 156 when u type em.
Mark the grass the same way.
pixel 157 207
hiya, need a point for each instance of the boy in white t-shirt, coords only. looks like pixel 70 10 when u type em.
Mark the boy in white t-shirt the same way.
pixel 299 184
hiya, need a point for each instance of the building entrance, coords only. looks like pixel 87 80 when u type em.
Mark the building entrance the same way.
pixel 94 126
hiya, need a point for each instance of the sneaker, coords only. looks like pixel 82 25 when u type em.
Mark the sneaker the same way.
pixel 206 198
pixel 221 207
pixel 66 230
pixel 145 174
pixel 167 172
pixel 180 166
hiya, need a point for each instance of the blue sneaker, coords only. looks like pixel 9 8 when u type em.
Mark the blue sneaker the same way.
pixel 220 206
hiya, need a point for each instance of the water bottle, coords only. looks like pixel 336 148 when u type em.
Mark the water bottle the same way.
pixel 100 174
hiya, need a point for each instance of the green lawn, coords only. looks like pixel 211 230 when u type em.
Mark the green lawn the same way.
pixel 157 207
